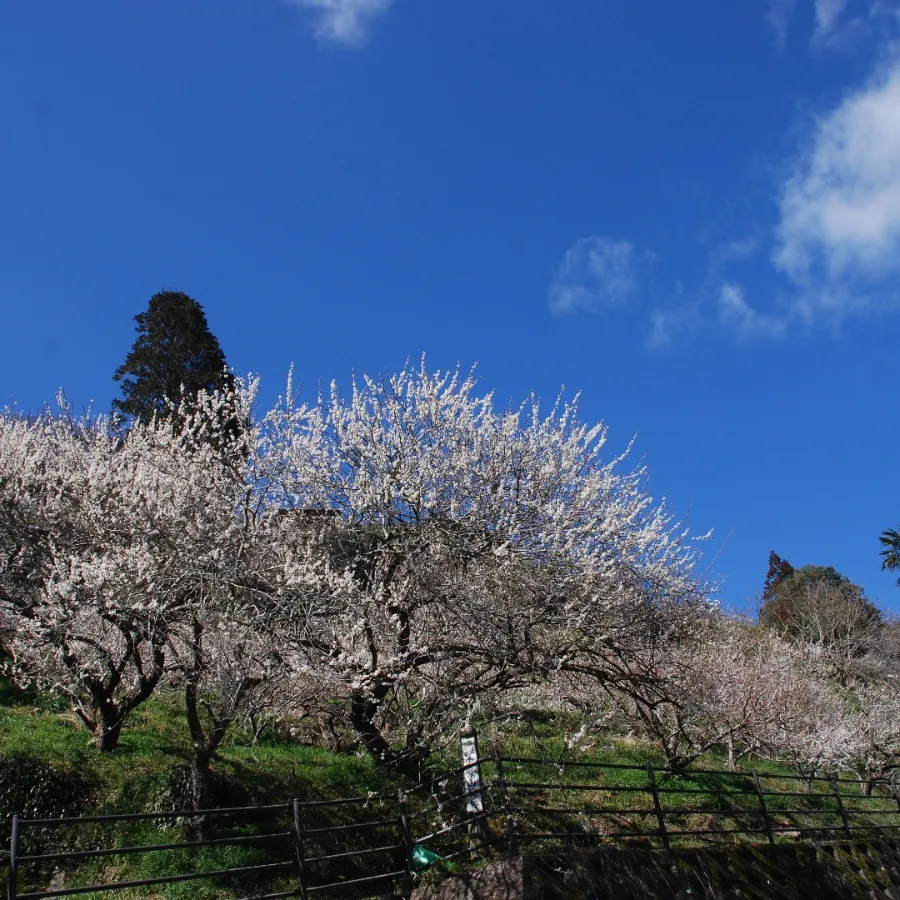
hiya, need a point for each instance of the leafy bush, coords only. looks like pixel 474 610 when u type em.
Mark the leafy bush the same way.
pixel 40 790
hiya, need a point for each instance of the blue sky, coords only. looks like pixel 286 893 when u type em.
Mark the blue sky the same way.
pixel 688 211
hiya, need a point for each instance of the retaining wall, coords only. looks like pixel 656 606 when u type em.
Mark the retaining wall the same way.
pixel 850 870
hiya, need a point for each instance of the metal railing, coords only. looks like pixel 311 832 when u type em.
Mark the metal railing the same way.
pixel 308 850
pixel 711 803
pixel 381 838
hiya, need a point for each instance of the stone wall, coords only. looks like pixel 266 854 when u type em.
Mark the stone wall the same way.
pixel 834 871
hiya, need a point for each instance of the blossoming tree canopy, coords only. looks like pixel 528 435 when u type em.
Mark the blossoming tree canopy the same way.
pixel 472 539
pixel 410 549
pixel 107 540
pixel 418 447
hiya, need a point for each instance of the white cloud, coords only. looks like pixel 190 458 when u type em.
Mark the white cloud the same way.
pixel 668 324
pixel 595 272
pixel 839 229
pixel 736 313
pixel 733 251
pixel 343 21
pixel 778 19
pixel 835 31
pixel 827 14
pixel 838 24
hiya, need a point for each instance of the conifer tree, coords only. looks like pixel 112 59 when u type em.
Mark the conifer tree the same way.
pixel 174 353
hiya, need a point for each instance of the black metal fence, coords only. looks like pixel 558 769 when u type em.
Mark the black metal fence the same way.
pixel 495 803
pixel 306 851
pixel 20 825
pixel 312 846
pixel 582 804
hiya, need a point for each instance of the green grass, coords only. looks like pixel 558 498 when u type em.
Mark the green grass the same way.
pixel 155 741
pixel 41 742
pixel 725 800
pixel 146 772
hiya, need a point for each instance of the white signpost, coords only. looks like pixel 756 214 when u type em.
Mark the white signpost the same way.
pixel 472 775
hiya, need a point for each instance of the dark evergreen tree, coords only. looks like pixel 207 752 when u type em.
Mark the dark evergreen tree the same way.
pixel 779 570
pixel 174 352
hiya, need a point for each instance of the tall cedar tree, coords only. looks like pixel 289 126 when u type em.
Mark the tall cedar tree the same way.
pixel 779 570
pixel 174 351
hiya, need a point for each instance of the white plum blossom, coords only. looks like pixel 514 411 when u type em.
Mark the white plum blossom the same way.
pixel 463 549
pixel 410 550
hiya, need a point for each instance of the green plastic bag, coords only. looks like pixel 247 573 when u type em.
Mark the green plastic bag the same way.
pixel 422 857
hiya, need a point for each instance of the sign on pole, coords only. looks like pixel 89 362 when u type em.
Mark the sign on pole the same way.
pixel 472 774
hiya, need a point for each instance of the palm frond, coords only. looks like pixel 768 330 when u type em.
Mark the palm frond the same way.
pixel 890 539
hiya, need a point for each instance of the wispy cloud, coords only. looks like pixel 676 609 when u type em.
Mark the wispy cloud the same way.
pixel 835 248
pixel 828 12
pixel 778 18
pixel 343 21
pixel 733 251
pixel 669 324
pixel 599 273
pixel 839 230
pixel 743 319
pixel 836 31
pixel 719 300
pixel 596 272
pixel 838 24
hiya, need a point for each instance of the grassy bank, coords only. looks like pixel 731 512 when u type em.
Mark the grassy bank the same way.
pixel 48 767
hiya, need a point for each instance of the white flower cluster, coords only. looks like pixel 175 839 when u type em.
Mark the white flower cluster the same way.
pixel 410 548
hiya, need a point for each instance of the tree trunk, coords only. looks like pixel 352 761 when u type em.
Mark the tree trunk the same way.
pixel 108 711
pixel 104 720
pixel 107 733
pixel 199 827
pixel 363 709
pixel 200 781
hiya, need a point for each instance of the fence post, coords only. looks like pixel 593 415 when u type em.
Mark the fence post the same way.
pixel 657 806
pixel 765 809
pixel 511 837
pixel 300 849
pixel 840 804
pixel 405 833
pixel 12 883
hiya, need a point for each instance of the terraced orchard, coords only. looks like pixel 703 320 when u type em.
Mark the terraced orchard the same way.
pixel 360 829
